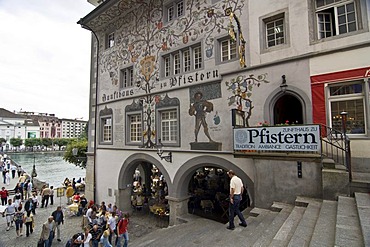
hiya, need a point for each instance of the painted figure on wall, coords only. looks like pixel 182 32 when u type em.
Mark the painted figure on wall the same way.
pixel 199 109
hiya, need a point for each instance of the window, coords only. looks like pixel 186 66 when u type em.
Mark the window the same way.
pixel 169 126
pixel 106 124
pixel 182 61
pixel 228 50
pixel 335 17
pixel 174 10
pixel 135 128
pixel 275 32
pixel 348 98
pixel 110 40
pixel 127 77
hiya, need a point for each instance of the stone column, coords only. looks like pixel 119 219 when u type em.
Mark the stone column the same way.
pixel 123 200
pixel 178 208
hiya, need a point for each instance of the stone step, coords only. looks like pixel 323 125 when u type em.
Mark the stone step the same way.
pixel 363 208
pixel 266 237
pixel 286 231
pixel 255 231
pixel 324 232
pixel 361 177
pixel 306 226
pixel 347 230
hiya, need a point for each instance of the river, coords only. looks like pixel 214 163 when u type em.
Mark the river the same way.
pixel 50 167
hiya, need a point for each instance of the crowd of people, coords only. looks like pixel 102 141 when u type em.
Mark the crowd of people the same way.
pixel 103 225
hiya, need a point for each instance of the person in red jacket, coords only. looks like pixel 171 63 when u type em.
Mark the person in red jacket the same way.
pixel 4 196
pixel 122 230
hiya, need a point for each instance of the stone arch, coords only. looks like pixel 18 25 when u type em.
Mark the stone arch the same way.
pixel 125 177
pixel 183 175
pixel 295 92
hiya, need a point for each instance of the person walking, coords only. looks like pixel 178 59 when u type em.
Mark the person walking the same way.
pixel 122 230
pixel 95 235
pixel 29 223
pixel 7 178
pixel 18 220
pixel 45 194
pixel 28 205
pixel 9 213
pixel 35 202
pixel 4 196
pixel 51 196
pixel 236 191
pixel 13 168
pixel 47 232
pixel 112 222
pixel 59 219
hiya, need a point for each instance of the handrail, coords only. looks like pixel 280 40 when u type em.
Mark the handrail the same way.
pixel 336 146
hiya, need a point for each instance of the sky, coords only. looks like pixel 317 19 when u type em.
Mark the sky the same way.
pixel 45 57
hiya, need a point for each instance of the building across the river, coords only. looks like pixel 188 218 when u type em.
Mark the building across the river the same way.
pixel 186 73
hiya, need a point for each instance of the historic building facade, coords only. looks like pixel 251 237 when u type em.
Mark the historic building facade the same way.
pixel 184 73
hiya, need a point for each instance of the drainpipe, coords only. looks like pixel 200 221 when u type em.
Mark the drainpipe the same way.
pixel 96 100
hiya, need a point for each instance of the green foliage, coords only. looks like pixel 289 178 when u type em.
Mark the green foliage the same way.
pixel 31 142
pixel 2 140
pixel 81 158
pixel 47 142
pixel 16 142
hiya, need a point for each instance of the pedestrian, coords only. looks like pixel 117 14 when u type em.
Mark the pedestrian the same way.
pixel 236 191
pixel 29 223
pixel 48 231
pixel 86 237
pixel 22 181
pixel 112 222
pixel 59 219
pixel 17 198
pixel 13 168
pixel 51 196
pixel 9 212
pixel 7 177
pixel 28 205
pixel 4 196
pixel 18 220
pixel 104 239
pixel 69 193
pixel 19 170
pixel 29 189
pixel 45 194
pixel 4 174
pixel 122 230
pixel 95 235
pixel 35 202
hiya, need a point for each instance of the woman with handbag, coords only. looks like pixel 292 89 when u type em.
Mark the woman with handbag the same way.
pixel 29 222
pixel 18 220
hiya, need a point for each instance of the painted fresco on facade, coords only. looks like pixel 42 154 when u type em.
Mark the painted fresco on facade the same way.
pixel 143 36
pixel 241 88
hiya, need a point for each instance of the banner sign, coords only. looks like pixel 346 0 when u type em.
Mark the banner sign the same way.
pixel 60 192
pixel 304 138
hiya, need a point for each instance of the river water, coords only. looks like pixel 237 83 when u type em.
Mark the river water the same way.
pixel 50 167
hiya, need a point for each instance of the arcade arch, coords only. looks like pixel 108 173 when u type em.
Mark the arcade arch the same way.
pixel 178 188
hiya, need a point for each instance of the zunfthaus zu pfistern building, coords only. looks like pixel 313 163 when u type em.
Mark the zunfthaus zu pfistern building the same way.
pixel 202 79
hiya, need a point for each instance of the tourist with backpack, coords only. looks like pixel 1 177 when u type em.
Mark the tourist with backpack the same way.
pixel 122 230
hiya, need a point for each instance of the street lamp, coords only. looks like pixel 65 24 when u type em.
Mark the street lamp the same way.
pixel 33 173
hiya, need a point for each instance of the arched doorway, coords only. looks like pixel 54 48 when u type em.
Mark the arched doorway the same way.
pixel 209 189
pixel 189 198
pixel 288 109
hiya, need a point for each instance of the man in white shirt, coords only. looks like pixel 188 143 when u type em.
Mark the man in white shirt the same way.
pixel 112 222
pixel 9 213
pixel 236 191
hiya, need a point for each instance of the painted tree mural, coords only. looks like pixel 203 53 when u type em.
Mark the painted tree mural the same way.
pixel 242 89
pixel 141 36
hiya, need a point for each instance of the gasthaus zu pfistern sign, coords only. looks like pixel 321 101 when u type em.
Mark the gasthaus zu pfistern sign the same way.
pixel 282 138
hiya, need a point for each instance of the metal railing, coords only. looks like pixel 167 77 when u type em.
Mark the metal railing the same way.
pixel 336 146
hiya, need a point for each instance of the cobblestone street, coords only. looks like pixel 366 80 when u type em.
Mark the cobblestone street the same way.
pixel 141 223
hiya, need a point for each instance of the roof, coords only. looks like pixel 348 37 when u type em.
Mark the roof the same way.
pixel 8 114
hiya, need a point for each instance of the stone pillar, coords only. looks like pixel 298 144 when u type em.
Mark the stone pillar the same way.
pixel 123 200
pixel 90 177
pixel 178 208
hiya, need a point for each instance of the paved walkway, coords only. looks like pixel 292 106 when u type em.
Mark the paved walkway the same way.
pixel 141 224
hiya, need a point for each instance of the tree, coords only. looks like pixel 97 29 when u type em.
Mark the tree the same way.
pixel 2 140
pixel 81 158
pixel 16 142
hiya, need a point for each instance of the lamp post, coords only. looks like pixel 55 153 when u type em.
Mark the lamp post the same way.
pixel 33 173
